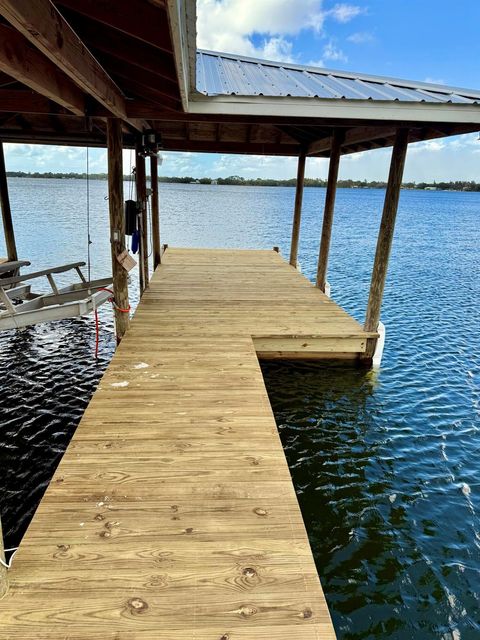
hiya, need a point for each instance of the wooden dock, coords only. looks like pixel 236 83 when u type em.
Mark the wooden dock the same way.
pixel 172 514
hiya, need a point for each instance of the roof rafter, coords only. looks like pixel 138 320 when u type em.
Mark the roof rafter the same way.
pixel 44 26
pixel 354 136
pixel 41 23
pixel 22 101
pixel 23 62
pixel 139 19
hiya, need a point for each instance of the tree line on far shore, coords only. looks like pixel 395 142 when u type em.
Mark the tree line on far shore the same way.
pixel 457 185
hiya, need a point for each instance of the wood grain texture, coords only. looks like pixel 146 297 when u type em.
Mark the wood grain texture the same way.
pixel 44 26
pixel 336 145
pixel 297 212
pixel 117 224
pixel 141 188
pixel 155 212
pixel 385 236
pixel 8 229
pixel 172 514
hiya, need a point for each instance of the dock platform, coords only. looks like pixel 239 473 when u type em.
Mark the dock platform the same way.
pixel 172 515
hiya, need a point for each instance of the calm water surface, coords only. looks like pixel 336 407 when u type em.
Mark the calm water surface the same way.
pixel 386 464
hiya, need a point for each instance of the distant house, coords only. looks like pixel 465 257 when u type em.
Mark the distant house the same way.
pixel 214 182
pixel 430 188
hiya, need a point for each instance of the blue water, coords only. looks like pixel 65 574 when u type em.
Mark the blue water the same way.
pixel 385 464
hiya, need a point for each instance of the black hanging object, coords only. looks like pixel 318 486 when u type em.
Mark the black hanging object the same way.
pixel 131 216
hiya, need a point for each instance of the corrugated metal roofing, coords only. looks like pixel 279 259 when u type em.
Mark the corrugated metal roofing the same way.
pixel 225 74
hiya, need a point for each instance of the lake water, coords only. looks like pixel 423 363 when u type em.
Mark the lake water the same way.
pixel 386 465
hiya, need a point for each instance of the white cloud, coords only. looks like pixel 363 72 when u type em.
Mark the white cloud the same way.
pixel 229 25
pixel 316 63
pixel 361 37
pixel 434 80
pixel 344 12
pixel 334 53
pixel 263 28
pixel 277 48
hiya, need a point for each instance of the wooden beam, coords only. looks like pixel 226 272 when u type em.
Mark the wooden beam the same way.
pixel 355 135
pixel 139 19
pixel 141 83
pixel 385 237
pixel 123 47
pixel 155 212
pixel 50 137
pixel 23 62
pixel 44 26
pixel 140 180
pixel 117 224
pixel 209 146
pixel 8 229
pixel 21 101
pixel 297 214
pixel 336 145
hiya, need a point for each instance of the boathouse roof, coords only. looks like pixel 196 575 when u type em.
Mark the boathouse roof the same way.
pixel 68 65
pixel 228 74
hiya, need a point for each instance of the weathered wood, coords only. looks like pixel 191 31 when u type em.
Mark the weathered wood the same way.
pixel 44 26
pixel 21 101
pixel 141 187
pixel 117 224
pixel 297 214
pixel 8 229
pixel 141 19
pixel 385 236
pixel 355 135
pixel 19 59
pixel 336 143
pixel 155 212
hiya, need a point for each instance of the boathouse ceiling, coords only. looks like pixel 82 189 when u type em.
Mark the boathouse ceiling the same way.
pixel 66 66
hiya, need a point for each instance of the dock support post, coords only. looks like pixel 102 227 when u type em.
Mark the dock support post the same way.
pixel 6 211
pixel 3 568
pixel 385 236
pixel 141 186
pixel 297 215
pixel 155 211
pixel 117 224
pixel 334 164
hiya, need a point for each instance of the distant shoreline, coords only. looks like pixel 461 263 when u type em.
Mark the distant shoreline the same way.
pixel 457 185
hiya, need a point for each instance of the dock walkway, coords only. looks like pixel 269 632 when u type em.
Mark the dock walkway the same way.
pixel 172 514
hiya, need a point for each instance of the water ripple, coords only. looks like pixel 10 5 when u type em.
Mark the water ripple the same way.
pixel 385 464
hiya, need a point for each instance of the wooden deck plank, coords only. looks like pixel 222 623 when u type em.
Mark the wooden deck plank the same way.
pixel 172 513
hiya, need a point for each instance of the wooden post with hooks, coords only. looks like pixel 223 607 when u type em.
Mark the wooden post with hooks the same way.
pixel 141 185
pixel 117 224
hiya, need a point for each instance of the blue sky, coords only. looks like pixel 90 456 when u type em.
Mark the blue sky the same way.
pixel 428 40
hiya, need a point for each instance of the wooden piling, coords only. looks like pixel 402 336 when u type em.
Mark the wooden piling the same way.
pixel 385 236
pixel 6 211
pixel 141 186
pixel 155 212
pixel 297 214
pixel 337 140
pixel 117 224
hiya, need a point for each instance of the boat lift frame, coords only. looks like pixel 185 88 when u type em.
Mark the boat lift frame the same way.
pixel 22 307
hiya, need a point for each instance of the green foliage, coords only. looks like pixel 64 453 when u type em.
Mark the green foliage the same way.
pixel 457 185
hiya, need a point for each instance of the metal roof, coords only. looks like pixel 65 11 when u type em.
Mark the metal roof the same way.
pixel 226 74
